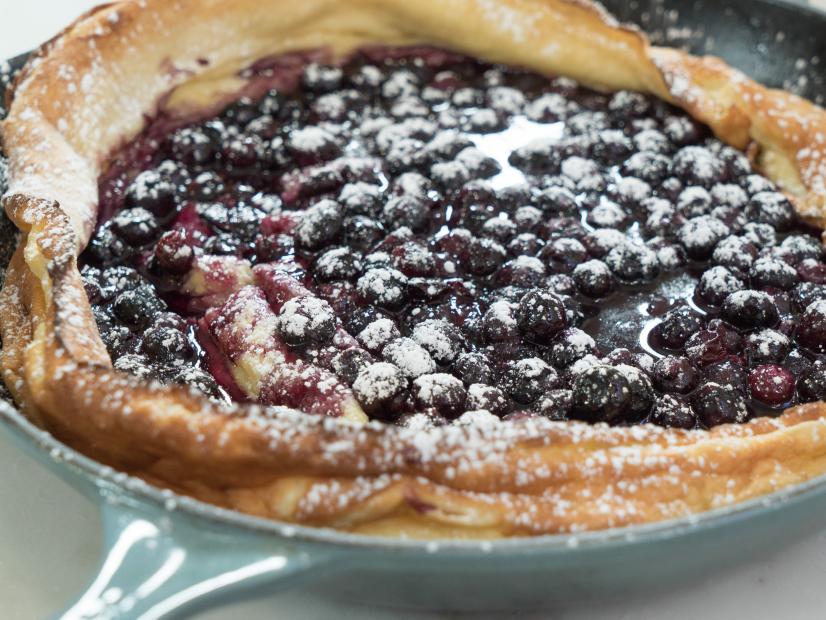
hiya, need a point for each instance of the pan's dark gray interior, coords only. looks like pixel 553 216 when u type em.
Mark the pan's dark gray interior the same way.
pixel 780 44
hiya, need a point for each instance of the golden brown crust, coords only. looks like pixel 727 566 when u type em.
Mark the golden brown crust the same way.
pixel 78 102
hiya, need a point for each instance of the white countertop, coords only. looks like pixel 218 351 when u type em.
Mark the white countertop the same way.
pixel 49 533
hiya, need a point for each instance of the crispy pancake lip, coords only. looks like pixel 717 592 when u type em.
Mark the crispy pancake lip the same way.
pixel 76 102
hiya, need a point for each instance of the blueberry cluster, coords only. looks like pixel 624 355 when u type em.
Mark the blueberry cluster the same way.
pixel 142 336
pixel 466 224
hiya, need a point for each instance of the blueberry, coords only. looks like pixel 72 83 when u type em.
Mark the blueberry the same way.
pixel 361 199
pixel 767 346
pixel 525 244
pixel 642 391
pixel 270 248
pixel 648 166
pixel 373 330
pixel 499 322
pixel 407 154
pixel 194 379
pixel 772 272
pixel 625 105
pixel 474 215
pixel 600 242
pixel 607 214
pixel 117 339
pixel 716 404
pixel 484 256
pixel 726 373
pixel 771 208
pixel 803 247
pixel 537 157
pixel 677 326
pixel 207 186
pixel 674 374
pixel 611 147
pixel 117 279
pixel 361 233
pixel 555 404
pixel 771 384
pixel 193 146
pixel 673 412
pixel 797 363
pixel 812 270
pixel 563 254
pixel 558 201
pixel 311 145
pixel 90 277
pixel 811 329
pixel 441 339
pixel 594 279
pixel 165 345
pixel 571 345
pixel 523 271
pixel 705 347
pixel 623 356
pixel 152 192
pixel 697 165
pixel 349 363
pixel 377 384
pixel 694 201
pixel 173 253
pixel 318 78
pixel 242 151
pixel 760 234
pixel 384 287
pixel 337 264
pixel 812 385
pixel 135 365
pixel 473 368
pixel 320 225
pixel 601 393
pixel 630 192
pixel 561 284
pixel 478 164
pixel 105 246
pixel 806 293
pixel 652 141
pixel 700 235
pixel 223 244
pixel 716 284
pixel 487 397
pixel 275 153
pixel 170 320
pixel 736 253
pixel 138 307
pixel 413 259
pixel 729 195
pixel 499 228
pixel 541 314
pixel 305 320
pixel 633 261
pixel 748 309
pixel 443 392
pixel 527 379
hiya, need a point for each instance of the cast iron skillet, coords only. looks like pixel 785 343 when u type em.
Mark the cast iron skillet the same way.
pixel 167 555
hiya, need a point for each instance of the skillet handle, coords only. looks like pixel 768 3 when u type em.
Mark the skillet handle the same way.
pixel 160 565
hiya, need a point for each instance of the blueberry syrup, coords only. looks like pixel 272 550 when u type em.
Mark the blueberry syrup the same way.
pixel 434 235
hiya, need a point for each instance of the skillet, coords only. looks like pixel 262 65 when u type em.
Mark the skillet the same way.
pixel 168 556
